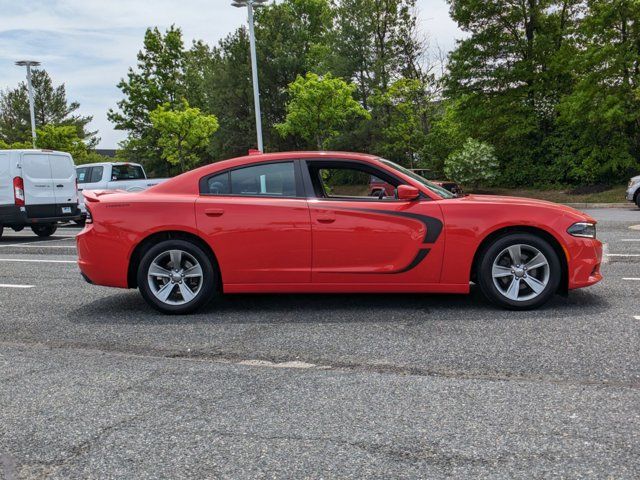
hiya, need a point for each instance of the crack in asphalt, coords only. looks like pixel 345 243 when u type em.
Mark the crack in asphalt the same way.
pixel 284 361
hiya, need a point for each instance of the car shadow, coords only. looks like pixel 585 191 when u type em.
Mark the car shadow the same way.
pixel 129 308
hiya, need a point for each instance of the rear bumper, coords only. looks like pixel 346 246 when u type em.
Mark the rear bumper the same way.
pixel 585 258
pixel 20 216
pixel 103 258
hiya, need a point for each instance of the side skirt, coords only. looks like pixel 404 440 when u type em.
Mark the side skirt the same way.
pixel 346 288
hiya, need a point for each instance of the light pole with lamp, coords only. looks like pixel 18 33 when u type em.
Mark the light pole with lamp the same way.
pixel 250 4
pixel 29 64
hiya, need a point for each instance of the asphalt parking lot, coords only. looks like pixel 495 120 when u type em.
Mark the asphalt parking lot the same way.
pixel 94 384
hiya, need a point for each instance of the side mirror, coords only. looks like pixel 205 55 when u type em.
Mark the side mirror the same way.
pixel 407 192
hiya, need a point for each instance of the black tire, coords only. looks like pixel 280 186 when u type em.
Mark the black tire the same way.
pixel 44 230
pixel 206 292
pixel 638 199
pixel 496 252
pixel 1 230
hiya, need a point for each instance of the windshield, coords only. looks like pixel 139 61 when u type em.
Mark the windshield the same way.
pixel 431 186
pixel 127 172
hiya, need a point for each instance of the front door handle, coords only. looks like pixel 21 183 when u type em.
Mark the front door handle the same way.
pixel 213 212
pixel 324 219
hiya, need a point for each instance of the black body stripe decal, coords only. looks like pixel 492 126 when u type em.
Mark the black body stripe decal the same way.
pixel 433 226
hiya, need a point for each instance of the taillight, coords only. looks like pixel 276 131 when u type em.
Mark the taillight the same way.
pixel 89 218
pixel 18 191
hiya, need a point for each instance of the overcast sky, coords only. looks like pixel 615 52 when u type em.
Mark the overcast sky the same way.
pixel 89 44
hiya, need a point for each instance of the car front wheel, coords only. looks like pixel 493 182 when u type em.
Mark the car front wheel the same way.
pixel 176 277
pixel 519 271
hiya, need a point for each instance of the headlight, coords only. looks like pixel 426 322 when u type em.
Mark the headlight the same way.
pixel 582 229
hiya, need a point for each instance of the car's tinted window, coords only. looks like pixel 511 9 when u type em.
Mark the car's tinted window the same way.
pixel 349 181
pixel 270 179
pixel 96 174
pixel 83 174
pixel 218 184
pixel 127 172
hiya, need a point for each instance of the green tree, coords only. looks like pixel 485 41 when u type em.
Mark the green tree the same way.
pixel 51 107
pixel 599 136
pixel 63 138
pixel 411 110
pixel 157 80
pixel 474 164
pixel 183 133
pixel 508 76
pixel 319 107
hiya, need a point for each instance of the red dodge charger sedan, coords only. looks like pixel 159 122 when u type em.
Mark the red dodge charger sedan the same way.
pixel 305 222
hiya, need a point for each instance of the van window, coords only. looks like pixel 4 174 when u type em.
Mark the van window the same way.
pixel 82 174
pixel 61 166
pixel 36 166
pixel 127 172
pixel 96 174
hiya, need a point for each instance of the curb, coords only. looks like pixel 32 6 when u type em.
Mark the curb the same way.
pixel 587 205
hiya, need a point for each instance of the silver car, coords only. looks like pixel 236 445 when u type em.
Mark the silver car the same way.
pixel 633 190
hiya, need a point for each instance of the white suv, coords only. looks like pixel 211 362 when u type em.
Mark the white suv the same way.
pixel 633 190
pixel 37 189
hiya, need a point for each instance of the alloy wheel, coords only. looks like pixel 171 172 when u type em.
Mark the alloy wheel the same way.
pixel 175 277
pixel 520 272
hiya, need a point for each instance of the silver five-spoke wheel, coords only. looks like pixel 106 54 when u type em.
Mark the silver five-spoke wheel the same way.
pixel 175 277
pixel 520 272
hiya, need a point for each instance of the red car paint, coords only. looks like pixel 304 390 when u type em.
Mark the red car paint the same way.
pixel 308 244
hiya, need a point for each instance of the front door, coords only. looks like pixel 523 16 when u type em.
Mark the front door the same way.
pixel 257 222
pixel 361 236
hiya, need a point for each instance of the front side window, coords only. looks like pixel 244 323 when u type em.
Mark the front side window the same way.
pixel 96 174
pixel 431 186
pixel 350 181
pixel 271 179
pixel 127 172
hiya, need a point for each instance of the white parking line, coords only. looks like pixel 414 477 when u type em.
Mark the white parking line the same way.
pixel 633 279
pixel 4 285
pixel 630 240
pixel 35 260
pixel 622 254
pixel 637 317
pixel 24 245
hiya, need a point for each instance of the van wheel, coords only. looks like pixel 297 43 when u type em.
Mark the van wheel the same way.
pixel 44 230
pixel 80 222
pixel 1 229
pixel 519 271
pixel 177 277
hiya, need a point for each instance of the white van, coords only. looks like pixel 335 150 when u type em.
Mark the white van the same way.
pixel 38 188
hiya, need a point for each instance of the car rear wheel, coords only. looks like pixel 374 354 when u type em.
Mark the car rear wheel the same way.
pixel 176 277
pixel 44 230
pixel 519 271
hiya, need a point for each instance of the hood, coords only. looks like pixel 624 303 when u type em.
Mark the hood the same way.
pixel 523 201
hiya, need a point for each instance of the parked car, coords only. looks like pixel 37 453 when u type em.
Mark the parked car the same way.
pixel 633 190
pixel 130 177
pixel 379 188
pixel 38 190
pixel 291 222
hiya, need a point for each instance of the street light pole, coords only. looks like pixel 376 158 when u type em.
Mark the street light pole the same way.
pixel 250 4
pixel 29 64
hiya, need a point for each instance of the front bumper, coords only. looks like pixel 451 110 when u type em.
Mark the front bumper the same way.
pixel 631 192
pixel 584 258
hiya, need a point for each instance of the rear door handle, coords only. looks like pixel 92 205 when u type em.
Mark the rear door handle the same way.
pixel 213 212
pixel 60 186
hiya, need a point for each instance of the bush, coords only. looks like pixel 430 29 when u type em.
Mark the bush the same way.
pixel 474 164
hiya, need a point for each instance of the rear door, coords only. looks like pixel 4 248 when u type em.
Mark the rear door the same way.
pixel 38 184
pixel 63 175
pixel 256 219
pixel 6 180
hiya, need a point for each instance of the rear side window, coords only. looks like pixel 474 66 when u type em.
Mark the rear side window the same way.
pixel 83 174
pixel 96 174
pixel 272 179
pixel 127 172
